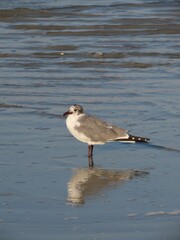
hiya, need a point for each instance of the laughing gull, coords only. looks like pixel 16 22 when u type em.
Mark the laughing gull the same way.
pixel 93 131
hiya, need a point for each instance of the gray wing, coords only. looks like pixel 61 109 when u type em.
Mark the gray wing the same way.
pixel 100 131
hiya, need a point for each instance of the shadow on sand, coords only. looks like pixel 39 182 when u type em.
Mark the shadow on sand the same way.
pixel 89 182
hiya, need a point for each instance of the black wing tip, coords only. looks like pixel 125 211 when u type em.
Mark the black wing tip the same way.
pixel 133 139
pixel 138 139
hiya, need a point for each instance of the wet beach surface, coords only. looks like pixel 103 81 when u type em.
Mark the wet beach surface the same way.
pixel 121 61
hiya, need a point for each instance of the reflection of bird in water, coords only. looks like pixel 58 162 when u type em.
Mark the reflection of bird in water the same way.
pixel 88 182
pixel 93 131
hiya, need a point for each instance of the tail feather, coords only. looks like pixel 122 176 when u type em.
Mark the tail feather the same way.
pixel 132 138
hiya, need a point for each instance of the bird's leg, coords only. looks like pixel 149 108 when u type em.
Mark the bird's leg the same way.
pixel 91 163
pixel 90 155
pixel 90 150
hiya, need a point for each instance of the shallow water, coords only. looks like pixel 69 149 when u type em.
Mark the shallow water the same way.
pixel 120 60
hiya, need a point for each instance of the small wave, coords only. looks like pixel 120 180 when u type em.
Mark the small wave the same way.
pixel 8 105
pixel 164 148
pixel 156 213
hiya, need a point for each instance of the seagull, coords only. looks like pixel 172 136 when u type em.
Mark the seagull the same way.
pixel 93 131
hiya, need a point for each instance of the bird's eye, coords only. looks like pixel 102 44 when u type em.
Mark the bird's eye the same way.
pixel 75 110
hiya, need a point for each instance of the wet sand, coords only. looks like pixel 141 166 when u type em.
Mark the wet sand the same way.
pixel 121 62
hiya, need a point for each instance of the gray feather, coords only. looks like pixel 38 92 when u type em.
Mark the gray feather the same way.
pixel 100 131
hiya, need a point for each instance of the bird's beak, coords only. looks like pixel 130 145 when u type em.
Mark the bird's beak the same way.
pixel 67 113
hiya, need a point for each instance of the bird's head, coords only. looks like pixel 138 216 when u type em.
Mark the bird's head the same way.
pixel 75 110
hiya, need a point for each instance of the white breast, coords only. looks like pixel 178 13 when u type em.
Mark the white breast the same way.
pixel 72 122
